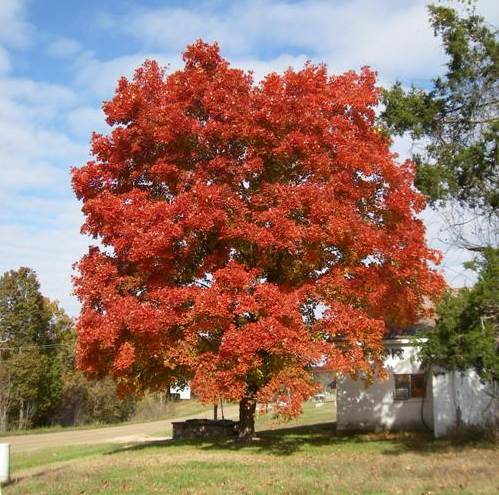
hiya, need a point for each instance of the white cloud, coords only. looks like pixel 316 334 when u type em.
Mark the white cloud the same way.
pixel 261 68
pixel 101 76
pixel 392 37
pixel 454 257
pixel 488 9
pixel 36 226
pixel 64 48
pixel 35 142
pixel 29 91
pixel 4 60
pixel 39 218
pixel 15 31
pixel 50 250
pixel 84 120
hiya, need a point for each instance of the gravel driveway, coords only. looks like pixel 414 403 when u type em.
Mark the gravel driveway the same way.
pixel 135 432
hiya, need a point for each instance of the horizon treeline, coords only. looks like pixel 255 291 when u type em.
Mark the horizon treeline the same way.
pixel 39 382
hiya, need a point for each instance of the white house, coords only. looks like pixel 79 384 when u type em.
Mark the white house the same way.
pixel 183 393
pixel 414 398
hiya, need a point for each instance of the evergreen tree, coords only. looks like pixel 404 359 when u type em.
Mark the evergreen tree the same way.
pixel 455 122
pixel 455 125
pixel 467 328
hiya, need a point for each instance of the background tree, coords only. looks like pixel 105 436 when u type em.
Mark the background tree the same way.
pixel 27 348
pixel 455 123
pixel 84 401
pixel 7 398
pixel 39 383
pixel 467 327
pixel 24 319
pixel 250 231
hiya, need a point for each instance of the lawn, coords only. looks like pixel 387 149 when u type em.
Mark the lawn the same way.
pixel 296 458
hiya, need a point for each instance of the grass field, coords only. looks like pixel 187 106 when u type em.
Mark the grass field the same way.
pixel 303 457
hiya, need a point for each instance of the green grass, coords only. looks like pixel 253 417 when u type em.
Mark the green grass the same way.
pixel 295 458
pixel 313 413
pixel 43 457
pixel 179 409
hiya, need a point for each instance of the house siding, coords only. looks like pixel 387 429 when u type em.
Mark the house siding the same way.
pixel 461 394
pixel 184 393
pixel 373 407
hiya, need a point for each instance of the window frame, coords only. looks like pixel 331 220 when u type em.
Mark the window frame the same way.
pixel 414 390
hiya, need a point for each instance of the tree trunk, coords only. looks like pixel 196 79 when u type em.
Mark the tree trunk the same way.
pixel 21 415
pixel 247 408
pixel 215 411
pixel 3 419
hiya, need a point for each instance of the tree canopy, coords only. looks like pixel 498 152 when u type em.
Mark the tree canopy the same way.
pixel 456 121
pixel 23 317
pixel 248 232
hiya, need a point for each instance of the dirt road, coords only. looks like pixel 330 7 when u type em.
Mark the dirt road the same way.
pixel 136 432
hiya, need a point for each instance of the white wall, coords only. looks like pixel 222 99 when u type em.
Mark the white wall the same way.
pixel 464 392
pixel 373 407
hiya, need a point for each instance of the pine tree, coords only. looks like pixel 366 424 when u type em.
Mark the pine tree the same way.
pixel 456 122
pixel 467 330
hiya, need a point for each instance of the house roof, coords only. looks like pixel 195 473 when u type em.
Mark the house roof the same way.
pixel 403 333
pixel 424 323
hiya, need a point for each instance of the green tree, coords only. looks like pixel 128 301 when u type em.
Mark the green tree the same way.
pixel 29 374
pixel 39 383
pixel 7 398
pixel 456 122
pixel 454 126
pixel 24 319
pixel 467 327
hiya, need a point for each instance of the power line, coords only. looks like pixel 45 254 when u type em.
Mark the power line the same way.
pixel 34 346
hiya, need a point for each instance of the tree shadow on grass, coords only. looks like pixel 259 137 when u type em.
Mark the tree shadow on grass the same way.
pixel 37 474
pixel 286 441
pixel 424 443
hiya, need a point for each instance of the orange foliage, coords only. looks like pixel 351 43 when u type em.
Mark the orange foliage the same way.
pixel 251 230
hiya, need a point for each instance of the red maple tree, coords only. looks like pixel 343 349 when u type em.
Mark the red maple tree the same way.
pixel 249 231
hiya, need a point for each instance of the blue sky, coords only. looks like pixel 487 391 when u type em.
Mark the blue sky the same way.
pixel 60 59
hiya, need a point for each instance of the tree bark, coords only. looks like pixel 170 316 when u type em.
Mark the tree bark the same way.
pixel 247 408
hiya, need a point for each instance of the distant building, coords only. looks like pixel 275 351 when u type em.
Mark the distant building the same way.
pixel 326 377
pixel 182 393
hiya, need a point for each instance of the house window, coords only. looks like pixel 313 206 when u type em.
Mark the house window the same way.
pixel 397 353
pixel 409 386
